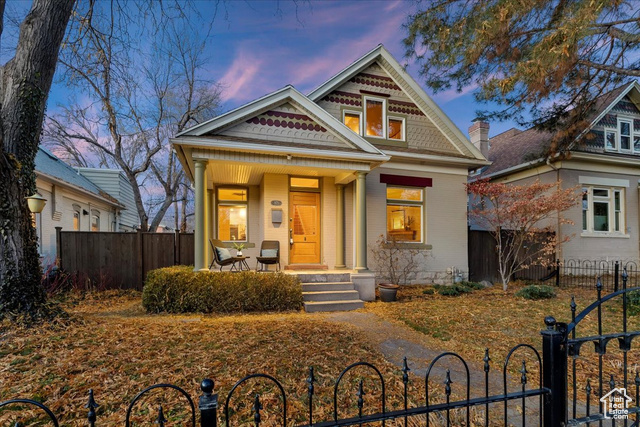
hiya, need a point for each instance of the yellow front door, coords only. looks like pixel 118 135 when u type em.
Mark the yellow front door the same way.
pixel 304 227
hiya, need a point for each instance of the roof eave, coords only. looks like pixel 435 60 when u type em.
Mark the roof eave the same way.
pixel 59 181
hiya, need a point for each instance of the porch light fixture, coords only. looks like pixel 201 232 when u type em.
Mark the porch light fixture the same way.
pixel 36 203
pixel 289 157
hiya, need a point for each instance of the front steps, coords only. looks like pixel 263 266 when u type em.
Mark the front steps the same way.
pixel 329 292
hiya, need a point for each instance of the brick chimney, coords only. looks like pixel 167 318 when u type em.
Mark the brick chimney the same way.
pixel 479 136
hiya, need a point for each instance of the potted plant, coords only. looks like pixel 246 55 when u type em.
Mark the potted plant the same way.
pixel 394 262
pixel 239 246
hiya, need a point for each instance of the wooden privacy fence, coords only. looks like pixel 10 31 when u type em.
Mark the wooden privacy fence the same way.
pixel 483 258
pixel 118 260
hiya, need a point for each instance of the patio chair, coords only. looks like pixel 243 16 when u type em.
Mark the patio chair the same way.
pixel 269 254
pixel 221 255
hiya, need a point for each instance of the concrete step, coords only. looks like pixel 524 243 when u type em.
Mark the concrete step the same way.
pixel 351 295
pixel 327 286
pixel 315 306
pixel 323 277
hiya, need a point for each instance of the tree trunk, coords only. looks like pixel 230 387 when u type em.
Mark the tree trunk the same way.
pixel 24 85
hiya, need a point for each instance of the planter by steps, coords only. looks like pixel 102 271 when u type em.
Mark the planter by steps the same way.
pixel 388 292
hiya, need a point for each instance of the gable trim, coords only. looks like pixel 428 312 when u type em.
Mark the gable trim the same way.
pixel 382 56
pixel 605 111
pixel 288 93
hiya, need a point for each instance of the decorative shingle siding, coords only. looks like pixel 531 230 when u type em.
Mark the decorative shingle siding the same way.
pixel 285 123
pixel 421 132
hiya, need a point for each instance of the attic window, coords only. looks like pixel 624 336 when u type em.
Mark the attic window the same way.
pixel 622 138
pixel 353 120
pixel 396 128
pixel 375 117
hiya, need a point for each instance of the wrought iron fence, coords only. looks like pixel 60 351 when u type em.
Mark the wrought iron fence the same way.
pixel 581 273
pixel 210 415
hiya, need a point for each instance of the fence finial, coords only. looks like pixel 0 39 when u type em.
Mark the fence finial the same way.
pixel 92 406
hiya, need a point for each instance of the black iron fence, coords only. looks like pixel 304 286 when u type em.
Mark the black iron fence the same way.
pixel 554 397
pixel 581 273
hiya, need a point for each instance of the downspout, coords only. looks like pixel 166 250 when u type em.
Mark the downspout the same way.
pixel 548 162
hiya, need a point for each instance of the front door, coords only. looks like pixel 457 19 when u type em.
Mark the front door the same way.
pixel 304 228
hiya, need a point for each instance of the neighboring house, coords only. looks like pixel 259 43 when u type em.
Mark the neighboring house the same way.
pixel 115 183
pixel 366 154
pixel 604 163
pixel 73 202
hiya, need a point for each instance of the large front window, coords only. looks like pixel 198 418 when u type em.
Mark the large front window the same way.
pixel 232 214
pixel 404 214
pixel 603 209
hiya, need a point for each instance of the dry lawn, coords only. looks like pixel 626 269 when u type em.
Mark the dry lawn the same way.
pixel 112 346
pixel 469 323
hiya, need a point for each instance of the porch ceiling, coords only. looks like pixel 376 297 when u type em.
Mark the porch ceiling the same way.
pixel 252 173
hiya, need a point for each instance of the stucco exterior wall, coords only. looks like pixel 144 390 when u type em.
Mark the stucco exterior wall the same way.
pixel 276 188
pixel 606 246
pixel 445 217
pixel 328 222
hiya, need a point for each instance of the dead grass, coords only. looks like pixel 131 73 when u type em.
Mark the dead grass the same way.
pixel 112 346
pixel 498 320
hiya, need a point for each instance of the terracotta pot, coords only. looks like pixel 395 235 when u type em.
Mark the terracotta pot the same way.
pixel 388 292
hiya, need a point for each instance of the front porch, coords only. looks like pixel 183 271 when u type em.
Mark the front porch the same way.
pixel 315 208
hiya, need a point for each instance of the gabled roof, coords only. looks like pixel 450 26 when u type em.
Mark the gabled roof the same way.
pixel 286 94
pixel 516 150
pixel 411 88
pixel 50 167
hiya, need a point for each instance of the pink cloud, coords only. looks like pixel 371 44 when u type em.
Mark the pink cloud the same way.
pixel 238 81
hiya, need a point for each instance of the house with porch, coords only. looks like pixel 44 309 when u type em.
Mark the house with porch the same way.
pixel 603 162
pixel 366 154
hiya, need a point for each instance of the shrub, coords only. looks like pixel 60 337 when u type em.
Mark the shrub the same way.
pixel 454 290
pixel 536 292
pixel 181 290
pixel 458 288
pixel 633 303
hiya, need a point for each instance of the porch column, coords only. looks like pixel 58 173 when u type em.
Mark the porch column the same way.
pixel 340 226
pixel 361 222
pixel 200 185
pixel 210 233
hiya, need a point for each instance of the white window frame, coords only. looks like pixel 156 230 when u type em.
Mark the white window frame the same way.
pixel 404 128
pixel 622 120
pixel 77 210
pixel 94 213
pixel 617 132
pixel 610 200
pixel 412 203
pixel 355 113
pixel 384 117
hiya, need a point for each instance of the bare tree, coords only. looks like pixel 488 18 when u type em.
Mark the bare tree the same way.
pixel 25 81
pixel 141 71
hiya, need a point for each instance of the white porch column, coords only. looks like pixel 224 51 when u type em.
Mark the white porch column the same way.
pixel 200 185
pixel 340 262
pixel 361 222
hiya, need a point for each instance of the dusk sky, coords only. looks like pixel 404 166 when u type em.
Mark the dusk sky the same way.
pixel 260 46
